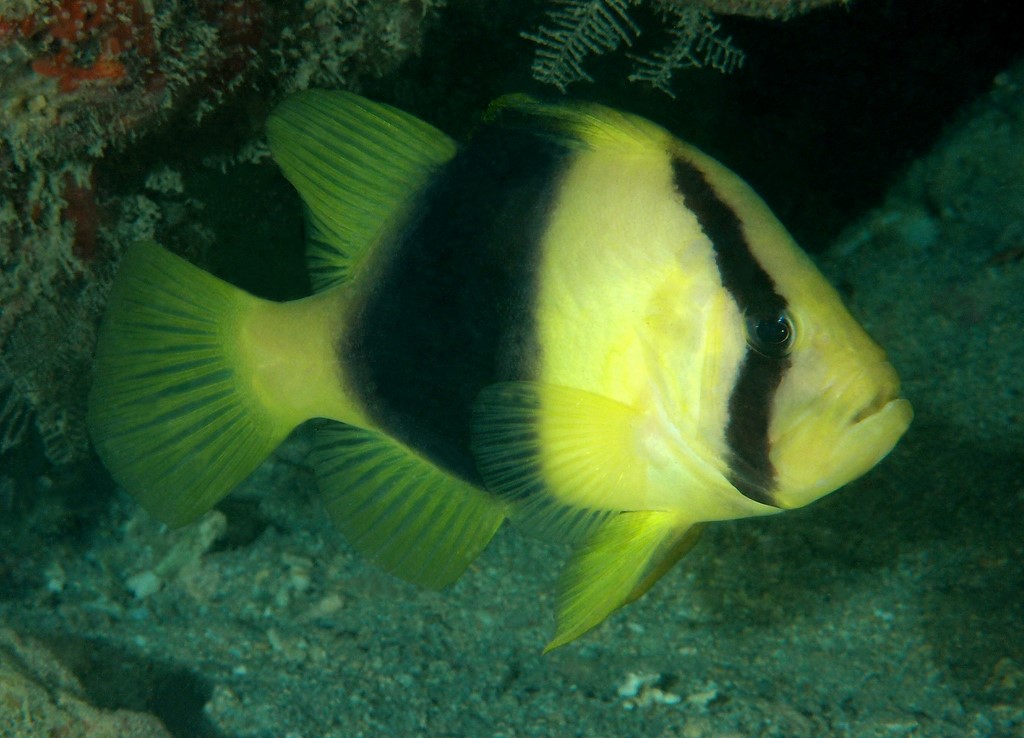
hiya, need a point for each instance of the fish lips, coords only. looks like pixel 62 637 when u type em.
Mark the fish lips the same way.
pixel 870 435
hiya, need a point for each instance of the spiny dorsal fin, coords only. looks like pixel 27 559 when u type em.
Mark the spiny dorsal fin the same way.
pixel 356 164
pixel 400 510
pixel 578 124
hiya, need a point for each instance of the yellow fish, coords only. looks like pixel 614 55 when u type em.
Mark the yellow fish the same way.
pixel 576 321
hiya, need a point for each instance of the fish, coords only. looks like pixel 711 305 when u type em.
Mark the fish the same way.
pixel 574 321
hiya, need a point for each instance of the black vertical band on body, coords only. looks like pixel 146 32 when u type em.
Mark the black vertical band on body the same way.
pixel 452 309
pixel 752 397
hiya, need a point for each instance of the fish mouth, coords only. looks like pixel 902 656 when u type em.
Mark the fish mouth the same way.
pixel 882 399
pixel 871 436
pixel 858 440
pixel 880 422
pixel 885 396
pixel 893 414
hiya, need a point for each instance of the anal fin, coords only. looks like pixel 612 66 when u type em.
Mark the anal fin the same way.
pixel 616 565
pixel 401 511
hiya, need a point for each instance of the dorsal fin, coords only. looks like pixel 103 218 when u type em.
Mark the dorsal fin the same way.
pixel 356 164
pixel 578 124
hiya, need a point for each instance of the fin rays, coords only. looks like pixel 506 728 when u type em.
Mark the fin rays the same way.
pixel 616 565
pixel 414 520
pixel 169 411
pixel 356 163
pixel 561 456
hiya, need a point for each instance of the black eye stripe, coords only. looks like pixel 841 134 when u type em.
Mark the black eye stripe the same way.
pixel 750 403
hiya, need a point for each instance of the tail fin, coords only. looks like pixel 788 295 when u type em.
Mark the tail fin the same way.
pixel 177 411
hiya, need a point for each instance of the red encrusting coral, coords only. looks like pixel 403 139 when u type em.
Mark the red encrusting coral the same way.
pixel 81 211
pixel 89 39
pixel 9 28
pixel 239 24
pixel 80 81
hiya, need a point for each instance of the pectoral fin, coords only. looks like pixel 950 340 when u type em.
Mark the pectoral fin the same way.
pixel 565 459
pixel 617 564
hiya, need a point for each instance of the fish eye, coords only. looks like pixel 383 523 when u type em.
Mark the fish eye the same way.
pixel 770 334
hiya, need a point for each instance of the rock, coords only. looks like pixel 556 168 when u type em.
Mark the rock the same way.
pixel 41 698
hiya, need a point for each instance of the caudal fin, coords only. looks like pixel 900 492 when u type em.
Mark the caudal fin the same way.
pixel 175 410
